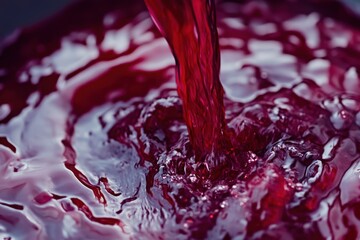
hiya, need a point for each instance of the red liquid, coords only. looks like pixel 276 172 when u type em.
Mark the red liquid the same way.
pixel 94 144
pixel 190 29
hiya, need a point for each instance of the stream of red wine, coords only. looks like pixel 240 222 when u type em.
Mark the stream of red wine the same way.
pixel 104 136
pixel 190 29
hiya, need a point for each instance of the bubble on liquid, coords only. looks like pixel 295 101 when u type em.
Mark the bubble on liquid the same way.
pixel 252 157
pixel 299 187
pixel 220 189
pixel 224 204
pixel 342 119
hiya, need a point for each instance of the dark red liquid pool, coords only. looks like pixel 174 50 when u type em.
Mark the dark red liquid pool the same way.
pixel 94 145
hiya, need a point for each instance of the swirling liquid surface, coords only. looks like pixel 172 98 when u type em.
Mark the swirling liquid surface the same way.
pixel 94 145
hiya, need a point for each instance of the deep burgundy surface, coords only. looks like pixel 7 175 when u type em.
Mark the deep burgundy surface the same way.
pixel 94 144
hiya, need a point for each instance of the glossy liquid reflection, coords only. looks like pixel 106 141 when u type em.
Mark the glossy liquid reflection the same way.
pixel 94 145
